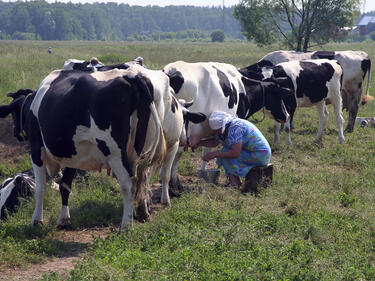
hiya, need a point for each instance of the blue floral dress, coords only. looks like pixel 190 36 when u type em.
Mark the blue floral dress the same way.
pixel 255 148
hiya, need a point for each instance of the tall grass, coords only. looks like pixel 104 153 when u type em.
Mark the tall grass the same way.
pixel 316 222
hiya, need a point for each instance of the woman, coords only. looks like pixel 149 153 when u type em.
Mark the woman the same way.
pixel 243 146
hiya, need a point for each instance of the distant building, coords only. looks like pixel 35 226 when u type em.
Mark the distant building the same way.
pixel 366 25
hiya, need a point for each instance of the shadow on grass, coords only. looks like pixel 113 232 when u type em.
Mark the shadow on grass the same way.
pixel 92 213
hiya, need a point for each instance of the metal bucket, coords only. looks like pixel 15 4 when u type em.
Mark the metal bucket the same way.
pixel 209 175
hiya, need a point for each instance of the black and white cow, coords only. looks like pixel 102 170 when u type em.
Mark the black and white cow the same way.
pixel 12 190
pixel 355 65
pixel 125 120
pixel 313 82
pixel 216 86
pixel 95 65
pixel 81 120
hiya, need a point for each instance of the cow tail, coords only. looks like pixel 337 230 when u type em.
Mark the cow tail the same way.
pixel 366 98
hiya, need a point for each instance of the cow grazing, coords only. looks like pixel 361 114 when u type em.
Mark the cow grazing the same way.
pixel 81 120
pixel 355 65
pixel 313 82
pixel 218 86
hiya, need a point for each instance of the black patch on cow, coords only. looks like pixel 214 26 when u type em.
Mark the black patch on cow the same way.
pixel 103 147
pixel 146 97
pixel 66 180
pixel 278 72
pixel 365 66
pixel 176 80
pixel 243 106
pixel 261 94
pixel 83 66
pixel 112 66
pixel 174 104
pixel 312 79
pixel 323 55
pixel 254 71
pixel 228 88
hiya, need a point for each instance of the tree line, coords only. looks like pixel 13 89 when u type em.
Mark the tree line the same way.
pixel 111 21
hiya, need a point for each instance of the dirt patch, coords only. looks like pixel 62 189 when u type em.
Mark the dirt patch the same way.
pixel 10 147
pixel 62 264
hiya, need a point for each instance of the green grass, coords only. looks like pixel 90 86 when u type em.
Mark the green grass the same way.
pixel 316 222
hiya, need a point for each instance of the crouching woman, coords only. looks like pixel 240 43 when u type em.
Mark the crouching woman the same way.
pixel 243 146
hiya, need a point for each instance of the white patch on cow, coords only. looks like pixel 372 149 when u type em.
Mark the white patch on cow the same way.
pixel 68 65
pixel 64 216
pixel 43 88
pixel 6 191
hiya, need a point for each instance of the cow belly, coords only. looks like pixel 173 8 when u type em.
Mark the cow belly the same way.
pixel 88 157
pixel 305 102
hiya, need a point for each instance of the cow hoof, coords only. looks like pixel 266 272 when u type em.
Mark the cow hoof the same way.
pixel 349 130
pixel 65 225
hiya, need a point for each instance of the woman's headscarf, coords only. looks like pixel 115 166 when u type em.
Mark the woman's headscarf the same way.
pixel 218 119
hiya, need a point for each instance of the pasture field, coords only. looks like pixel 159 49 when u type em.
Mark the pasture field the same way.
pixel 316 222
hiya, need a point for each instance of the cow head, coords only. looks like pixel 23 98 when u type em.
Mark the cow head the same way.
pixel 193 117
pixel 18 108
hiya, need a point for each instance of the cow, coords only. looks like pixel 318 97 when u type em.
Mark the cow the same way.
pixel 313 82
pixel 355 65
pixel 12 189
pixel 95 65
pixel 216 86
pixel 124 120
pixel 81 120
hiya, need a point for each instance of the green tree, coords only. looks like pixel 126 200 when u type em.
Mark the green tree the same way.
pixel 217 36
pixel 300 24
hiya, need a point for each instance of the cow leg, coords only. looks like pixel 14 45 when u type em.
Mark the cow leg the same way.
pixel 276 131
pixel 323 117
pixel 174 182
pixel 127 190
pixel 40 191
pixel 65 190
pixel 287 129
pixel 166 174
pixel 353 107
pixel 337 107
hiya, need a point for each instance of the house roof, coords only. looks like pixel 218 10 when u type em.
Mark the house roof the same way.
pixel 365 20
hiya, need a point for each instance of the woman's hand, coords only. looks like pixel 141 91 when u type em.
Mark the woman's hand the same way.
pixel 209 156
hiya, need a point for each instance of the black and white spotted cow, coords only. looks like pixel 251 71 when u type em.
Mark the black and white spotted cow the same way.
pixel 313 82
pixel 95 65
pixel 86 121
pixel 355 65
pixel 216 86
pixel 12 190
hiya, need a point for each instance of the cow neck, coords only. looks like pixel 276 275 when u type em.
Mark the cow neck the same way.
pixel 255 121
pixel 23 133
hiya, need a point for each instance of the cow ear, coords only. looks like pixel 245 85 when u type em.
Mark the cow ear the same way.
pixel 195 117
pixel 5 110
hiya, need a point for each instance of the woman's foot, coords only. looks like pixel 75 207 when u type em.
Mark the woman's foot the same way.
pixel 235 181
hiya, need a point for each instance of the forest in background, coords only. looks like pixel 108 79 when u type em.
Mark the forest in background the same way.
pixel 39 20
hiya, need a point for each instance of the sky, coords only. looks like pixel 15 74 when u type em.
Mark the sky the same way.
pixel 370 4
